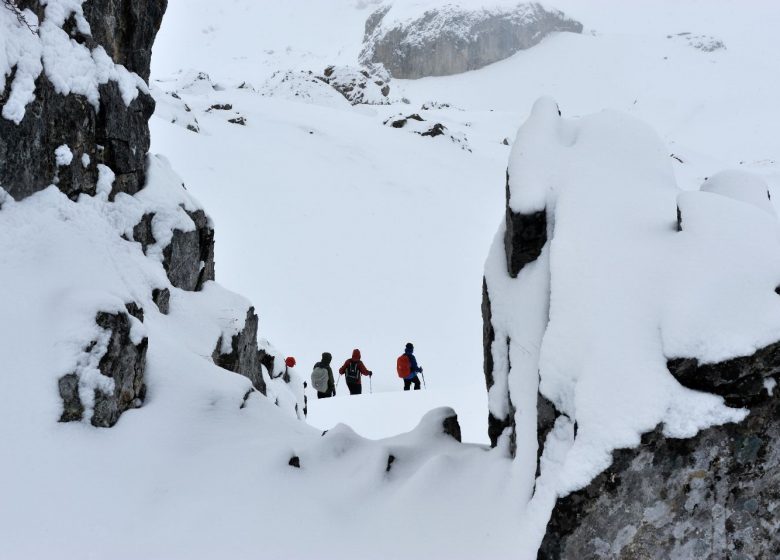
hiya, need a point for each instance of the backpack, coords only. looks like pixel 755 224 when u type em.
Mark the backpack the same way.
pixel 319 379
pixel 403 366
pixel 353 372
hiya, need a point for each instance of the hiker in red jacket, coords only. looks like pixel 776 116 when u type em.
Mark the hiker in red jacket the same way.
pixel 352 370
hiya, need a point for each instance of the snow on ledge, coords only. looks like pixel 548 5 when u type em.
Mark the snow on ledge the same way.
pixel 70 66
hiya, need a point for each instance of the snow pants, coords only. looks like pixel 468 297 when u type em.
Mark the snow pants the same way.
pixel 408 383
pixel 354 388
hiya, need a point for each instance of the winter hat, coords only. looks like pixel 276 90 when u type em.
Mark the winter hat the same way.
pixel 326 357
pixel 290 362
pixel 409 347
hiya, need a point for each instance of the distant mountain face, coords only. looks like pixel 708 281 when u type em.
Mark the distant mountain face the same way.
pixel 451 39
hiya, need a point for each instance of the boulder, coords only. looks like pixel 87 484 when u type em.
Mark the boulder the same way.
pixel 454 38
pixel 709 497
pixel 123 361
pixel 243 357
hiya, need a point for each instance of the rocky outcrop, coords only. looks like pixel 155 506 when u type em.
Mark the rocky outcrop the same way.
pixel 710 497
pixel 112 134
pixel 189 258
pixel 369 85
pixel 740 381
pixel 244 357
pixel 122 361
pixel 453 39
pixel 524 239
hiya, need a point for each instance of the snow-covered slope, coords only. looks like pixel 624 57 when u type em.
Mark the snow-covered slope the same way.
pixel 345 232
pixel 404 264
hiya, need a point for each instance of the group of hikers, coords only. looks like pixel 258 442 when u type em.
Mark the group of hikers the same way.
pixel 354 369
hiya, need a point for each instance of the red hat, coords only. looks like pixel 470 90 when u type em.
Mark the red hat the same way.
pixel 289 361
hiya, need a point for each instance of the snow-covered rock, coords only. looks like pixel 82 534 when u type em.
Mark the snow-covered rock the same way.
pixel 368 85
pixel 430 39
pixel 601 317
pixel 416 124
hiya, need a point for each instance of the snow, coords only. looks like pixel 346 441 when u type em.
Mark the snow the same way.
pixel 644 291
pixel 343 232
pixel 69 65
pixel 743 186
pixel 63 156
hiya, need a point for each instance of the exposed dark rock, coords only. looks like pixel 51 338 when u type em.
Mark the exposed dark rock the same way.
pixel 451 40
pixel 400 123
pixel 72 409
pixel 546 415
pixel 295 461
pixel 390 461
pixel 436 130
pixel 451 427
pixel 135 310
pixel 243 357
pixel 367 85
pixel 125 363
pixel 714 496
pixel 238 120
pixel 189 258
pixel 525 237
pixel 267 360
pixel 740 381
pixel 142 232
pixel 246 398
pixel 114 135
pixel 496 426
pixel 162 299
pixel 221 107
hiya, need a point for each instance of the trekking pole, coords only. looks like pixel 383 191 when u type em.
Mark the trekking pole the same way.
pixel 370 385
pixel 339 379
pixel 423 378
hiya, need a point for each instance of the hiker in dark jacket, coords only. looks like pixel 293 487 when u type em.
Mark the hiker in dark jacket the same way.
pixel 352 370
pixel 414 369
pixel 325 364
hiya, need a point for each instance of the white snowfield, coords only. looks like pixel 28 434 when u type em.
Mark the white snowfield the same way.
pixel 345 233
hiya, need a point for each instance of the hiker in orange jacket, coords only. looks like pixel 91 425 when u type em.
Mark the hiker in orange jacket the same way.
pixel 352 370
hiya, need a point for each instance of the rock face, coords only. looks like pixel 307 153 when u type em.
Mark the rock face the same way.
pixel 452 39
pixel 710 497
pixel 524 239
pixel 189 258
pixel 112 134
pixel 244 356
pixel 122 361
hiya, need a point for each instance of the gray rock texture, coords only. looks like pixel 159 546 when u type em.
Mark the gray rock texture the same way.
pixel 711 497
pixel 244 356
pixel 122 361
pixel 189 257
pixel 115 135
pixel 452 39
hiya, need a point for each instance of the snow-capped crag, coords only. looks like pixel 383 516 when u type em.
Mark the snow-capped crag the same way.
pixel 619 313
pixel 452 38
pixel 76 179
